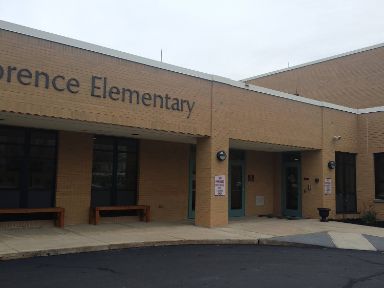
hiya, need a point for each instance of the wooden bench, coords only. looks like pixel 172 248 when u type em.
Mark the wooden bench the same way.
pixel 59 221
pixel 94 215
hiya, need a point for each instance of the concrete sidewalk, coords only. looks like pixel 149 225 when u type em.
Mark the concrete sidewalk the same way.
pixel 29 242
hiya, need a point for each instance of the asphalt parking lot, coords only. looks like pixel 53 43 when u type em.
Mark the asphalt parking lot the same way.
pixel 199 266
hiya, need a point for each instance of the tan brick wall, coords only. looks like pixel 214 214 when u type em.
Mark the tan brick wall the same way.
pixel 211 210
pixel 163 179
pixel 57 59
pixel 254 116
pixel 352 81
pixel 371 135
pixel 336 123
pixel 74 176
pixel 263 166
pixel 278 185
pixel 311 191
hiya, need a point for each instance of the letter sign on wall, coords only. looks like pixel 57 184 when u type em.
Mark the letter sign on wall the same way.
pixel 220 185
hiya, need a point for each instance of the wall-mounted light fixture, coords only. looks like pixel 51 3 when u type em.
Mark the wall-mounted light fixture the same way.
pixel 331 164
pixel 336 138
pixel 221 155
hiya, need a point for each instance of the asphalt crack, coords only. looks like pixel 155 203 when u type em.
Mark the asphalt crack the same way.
pixel 353 282
pixel 104 269
pixel 367 261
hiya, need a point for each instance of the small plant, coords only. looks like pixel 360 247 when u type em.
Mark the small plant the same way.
pixel 369 217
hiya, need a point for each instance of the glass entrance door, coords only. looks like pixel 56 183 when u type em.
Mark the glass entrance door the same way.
pixel 236 188
pixel 291 200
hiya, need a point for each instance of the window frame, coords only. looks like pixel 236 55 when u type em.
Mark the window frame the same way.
pixel 25 172
pixel 342 182
pixel 376 163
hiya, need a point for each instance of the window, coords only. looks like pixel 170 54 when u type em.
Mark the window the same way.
pixel 114 175
pixel 27 167
pixel 379 175
pixel 345 182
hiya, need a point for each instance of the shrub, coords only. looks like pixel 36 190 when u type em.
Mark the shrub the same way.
pixel 369 216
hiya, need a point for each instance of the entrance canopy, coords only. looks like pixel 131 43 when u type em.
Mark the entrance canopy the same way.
pixel 51 123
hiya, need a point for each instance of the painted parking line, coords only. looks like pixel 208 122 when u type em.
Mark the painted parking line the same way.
pixel 317 239
pixel 377 242
pixel 351 241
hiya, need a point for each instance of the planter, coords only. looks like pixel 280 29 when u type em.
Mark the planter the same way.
pixel 323 213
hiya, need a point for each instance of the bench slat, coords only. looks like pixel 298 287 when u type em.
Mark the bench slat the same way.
pixel 94 215
pixel 30 210
pixel 114 208
pixel 57 210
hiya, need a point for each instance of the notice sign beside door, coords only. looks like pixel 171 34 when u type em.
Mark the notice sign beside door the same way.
pixel 220 185
pixel 328 186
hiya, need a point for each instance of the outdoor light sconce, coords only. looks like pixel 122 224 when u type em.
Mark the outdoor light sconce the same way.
pixel 221 155
pixel 331 164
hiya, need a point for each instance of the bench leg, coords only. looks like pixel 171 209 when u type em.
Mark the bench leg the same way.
pixel 60 219
pixel 141 214
pixel 147 214
pixel 91 216
pixel 97 216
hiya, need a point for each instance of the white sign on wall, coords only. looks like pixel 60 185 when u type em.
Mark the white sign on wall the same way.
pixel 220 185
pixel 328 186
pixel 259 200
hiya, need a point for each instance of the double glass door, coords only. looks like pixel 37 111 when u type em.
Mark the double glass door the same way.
pixel 291 198
pixel 114 173
pixel 27 167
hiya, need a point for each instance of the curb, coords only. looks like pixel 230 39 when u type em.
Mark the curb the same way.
pixel 84 249
pixel 107 247
pixel 271 242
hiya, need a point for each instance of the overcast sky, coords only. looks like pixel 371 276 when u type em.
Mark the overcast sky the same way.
pixel 235 39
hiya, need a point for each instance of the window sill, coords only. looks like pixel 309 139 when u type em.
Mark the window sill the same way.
pixel 378 201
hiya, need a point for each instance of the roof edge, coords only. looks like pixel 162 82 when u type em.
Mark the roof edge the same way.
pixel 316 62
pixel 370 110
pixel 20 29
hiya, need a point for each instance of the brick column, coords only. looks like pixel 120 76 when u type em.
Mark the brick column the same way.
pixel 312 167
pixel 74 176
pixel 210 210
